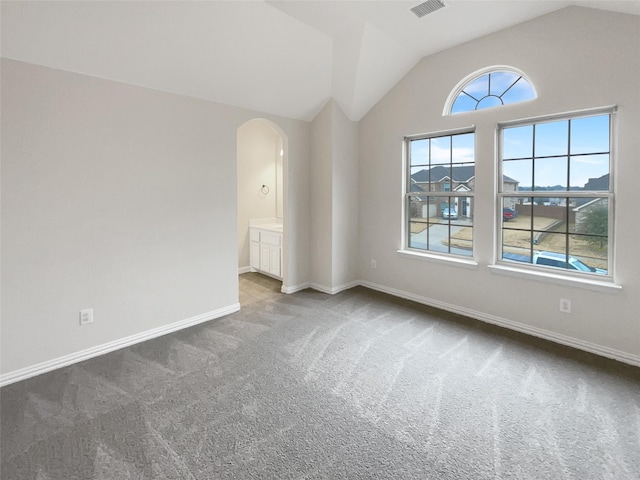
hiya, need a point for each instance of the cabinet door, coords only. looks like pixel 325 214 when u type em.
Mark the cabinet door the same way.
pixel 254 255
pixel 264 258
pixel 274 261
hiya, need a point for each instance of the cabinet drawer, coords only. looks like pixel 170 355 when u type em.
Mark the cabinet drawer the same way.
pixel 254 235
pixel 270 238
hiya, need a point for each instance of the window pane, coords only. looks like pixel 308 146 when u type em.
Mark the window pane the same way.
pixel 438 237
pixel 420 152
pixel 551 229
pixel 520 92
pixel 465 208
pixel 461 240
pixel 417 208
pixel 463 148
pixel 418 212
pixel 549 219
pixel 551 173
pixel 492 89
pixel 420 174
pixel 516 229
pixel 489 102
pixel 515 215
pixel 516 245
pixel 594 263
pixel 418 235
pixel 464 103
pixel 442 223
pixel 441 150
pixel 501 81
pixel 590 172
pixel 478 88
pixel 550 243
pixel 440 177
pixel 447 209
pixel 592 221
pixel 517 142
pixel 590 135
pixel 517 175
pixel 463 177
pixel 552 138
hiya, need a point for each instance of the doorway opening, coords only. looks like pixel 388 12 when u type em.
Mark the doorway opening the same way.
pixel 261 186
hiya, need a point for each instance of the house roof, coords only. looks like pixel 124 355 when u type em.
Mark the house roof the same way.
pixel 458 174
pixel 600 183
pixel 281 57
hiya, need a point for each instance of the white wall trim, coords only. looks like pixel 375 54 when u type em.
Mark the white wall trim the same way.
pixel 242 270
pixel 295 288
pixel 334 290
pixel 66 360
pixel 512 325
pixel 38 369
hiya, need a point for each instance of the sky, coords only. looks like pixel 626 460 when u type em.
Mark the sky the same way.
pixel 441 148
pixel 483 92
pixel 577 145
pixel 580 146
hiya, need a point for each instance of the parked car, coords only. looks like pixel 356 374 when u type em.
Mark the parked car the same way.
pixel 450 213
pixel 559 260
pixel 509 213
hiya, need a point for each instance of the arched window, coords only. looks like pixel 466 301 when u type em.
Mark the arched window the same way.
pixel 489 87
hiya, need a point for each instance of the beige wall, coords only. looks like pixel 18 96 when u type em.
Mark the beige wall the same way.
pixel 344 199
pixel 123 200
pixel 334 199
pixel 321 197
pixel 577 58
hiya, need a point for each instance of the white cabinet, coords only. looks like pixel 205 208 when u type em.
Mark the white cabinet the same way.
pixel 265 252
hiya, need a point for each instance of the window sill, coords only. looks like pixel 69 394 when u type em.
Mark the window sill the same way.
pixel 586 283
pixel 445 260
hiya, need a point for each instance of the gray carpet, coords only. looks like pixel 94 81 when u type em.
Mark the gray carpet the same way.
pixel 305 386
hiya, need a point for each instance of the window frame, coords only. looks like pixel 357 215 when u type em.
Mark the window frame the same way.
pixel 407 194
pixel 605 194
pixel 472 77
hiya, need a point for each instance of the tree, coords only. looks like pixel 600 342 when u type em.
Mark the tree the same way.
pixel 595 226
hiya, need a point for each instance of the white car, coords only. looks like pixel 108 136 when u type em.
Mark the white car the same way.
pixel 450 213
pixel 553 259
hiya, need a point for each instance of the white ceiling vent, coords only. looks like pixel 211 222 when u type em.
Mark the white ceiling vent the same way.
pixel 427 7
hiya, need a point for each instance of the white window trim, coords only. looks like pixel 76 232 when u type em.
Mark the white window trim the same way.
pixel 558 279
pixel 453 95
pixel 600 282
pixel 445 259
pixel 407 251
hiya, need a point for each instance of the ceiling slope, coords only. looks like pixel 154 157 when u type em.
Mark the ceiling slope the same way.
pixel 280 57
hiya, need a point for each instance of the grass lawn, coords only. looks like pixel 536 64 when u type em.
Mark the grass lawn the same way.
pixel 516 240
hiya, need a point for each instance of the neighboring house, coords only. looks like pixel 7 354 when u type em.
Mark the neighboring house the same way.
pixel 449 179
pixel 598 184
pixel 586 205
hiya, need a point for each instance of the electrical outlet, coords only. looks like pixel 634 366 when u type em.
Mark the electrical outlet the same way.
pixel 373 263
pixel 565 305
pixel 86 316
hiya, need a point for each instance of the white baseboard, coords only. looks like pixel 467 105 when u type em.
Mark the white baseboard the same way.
pixel 334 290
pixel 242 270
pixel 66 360
pixel 295 288
pixel 511 325
pixel 32 371
pixel 320 288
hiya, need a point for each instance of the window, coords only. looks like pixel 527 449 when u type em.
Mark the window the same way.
pixel 555 195
pixel 439 192
pixel 488 88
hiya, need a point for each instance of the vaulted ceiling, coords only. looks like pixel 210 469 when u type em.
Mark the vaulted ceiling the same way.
pixel 281 57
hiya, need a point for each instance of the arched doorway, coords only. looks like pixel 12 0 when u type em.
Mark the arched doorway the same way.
pixel 261 186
